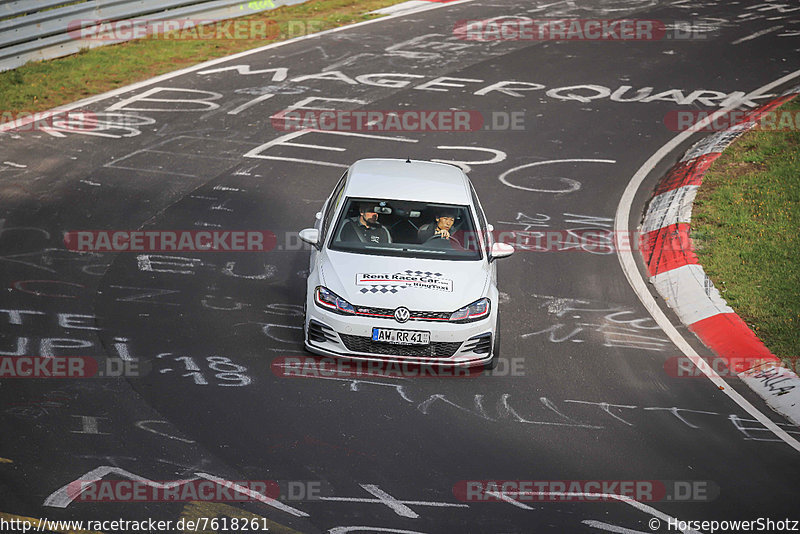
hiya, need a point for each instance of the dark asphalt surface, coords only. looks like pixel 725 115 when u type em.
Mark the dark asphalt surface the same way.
pixel 571 323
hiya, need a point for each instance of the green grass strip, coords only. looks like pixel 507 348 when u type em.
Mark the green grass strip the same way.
pixel 746 227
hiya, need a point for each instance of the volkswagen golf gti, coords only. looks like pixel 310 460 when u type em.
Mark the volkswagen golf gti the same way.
pixel 402 268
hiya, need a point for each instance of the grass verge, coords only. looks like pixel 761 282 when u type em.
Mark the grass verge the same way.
pixel 746 228
pixel 44 85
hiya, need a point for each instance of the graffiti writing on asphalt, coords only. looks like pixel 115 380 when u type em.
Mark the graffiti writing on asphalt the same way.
pixel 546 183
pixel 575 413
pixel 154 296
pixel 32 247
pixel 110 125
pixel 122 118
pixel 777 381
pixel 618 326
pixel 147 426
pixel 89 424
pixel 581 93
pixel 224 371
pixel 55 346
pixel 586 233
pixel 158 263
pixel 40 406
pixel 369 494
pixel 781 15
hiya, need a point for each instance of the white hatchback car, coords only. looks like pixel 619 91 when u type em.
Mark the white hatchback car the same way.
pixel 402 268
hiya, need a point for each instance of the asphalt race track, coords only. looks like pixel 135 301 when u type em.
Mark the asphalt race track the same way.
pixel 582 392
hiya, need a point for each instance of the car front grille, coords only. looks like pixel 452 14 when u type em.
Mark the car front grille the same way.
pixel 366 345
pixel 415 315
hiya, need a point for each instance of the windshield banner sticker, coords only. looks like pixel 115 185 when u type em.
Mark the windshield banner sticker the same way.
pixel 391 283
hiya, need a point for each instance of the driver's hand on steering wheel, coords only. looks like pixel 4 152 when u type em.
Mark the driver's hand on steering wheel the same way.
pixel 441 232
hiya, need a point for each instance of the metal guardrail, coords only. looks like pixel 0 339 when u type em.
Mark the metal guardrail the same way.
pixel 34 30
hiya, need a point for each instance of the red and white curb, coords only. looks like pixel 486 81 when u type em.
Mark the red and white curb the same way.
pixel 674 270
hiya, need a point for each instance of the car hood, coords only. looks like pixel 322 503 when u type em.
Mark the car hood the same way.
pixel 389 282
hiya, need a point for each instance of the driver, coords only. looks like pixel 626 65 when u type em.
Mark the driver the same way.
pixel 365 227
pixel 440 228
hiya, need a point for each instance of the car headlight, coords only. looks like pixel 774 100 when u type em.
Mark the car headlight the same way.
pixel 474 312
pixel 328 300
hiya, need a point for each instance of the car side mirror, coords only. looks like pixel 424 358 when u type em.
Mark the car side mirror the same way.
pixel 318 215
pixel 310 236
pixel 501 250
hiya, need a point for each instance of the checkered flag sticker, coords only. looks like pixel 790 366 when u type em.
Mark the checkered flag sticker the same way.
pixel 423 273
pixel 379 289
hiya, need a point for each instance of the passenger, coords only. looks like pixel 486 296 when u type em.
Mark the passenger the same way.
pixel 440 228
pixel 365 228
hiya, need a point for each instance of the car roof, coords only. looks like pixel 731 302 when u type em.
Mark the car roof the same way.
pixel 418 180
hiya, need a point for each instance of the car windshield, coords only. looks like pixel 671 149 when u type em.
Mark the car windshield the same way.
pixel 406 228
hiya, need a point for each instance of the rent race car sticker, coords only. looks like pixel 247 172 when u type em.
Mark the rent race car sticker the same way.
pixel 391 283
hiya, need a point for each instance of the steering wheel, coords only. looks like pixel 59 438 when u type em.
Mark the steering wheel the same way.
pixel 438 242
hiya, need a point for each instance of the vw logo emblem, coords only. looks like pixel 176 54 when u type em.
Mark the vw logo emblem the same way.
pixel 401 315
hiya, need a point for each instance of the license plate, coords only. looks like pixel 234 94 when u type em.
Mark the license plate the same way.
pixel 401 337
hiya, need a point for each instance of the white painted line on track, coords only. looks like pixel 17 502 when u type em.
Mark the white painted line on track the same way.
pixel 629 267
pixel 168 76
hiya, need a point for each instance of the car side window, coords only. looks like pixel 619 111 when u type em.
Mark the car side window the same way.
pixel 333 203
